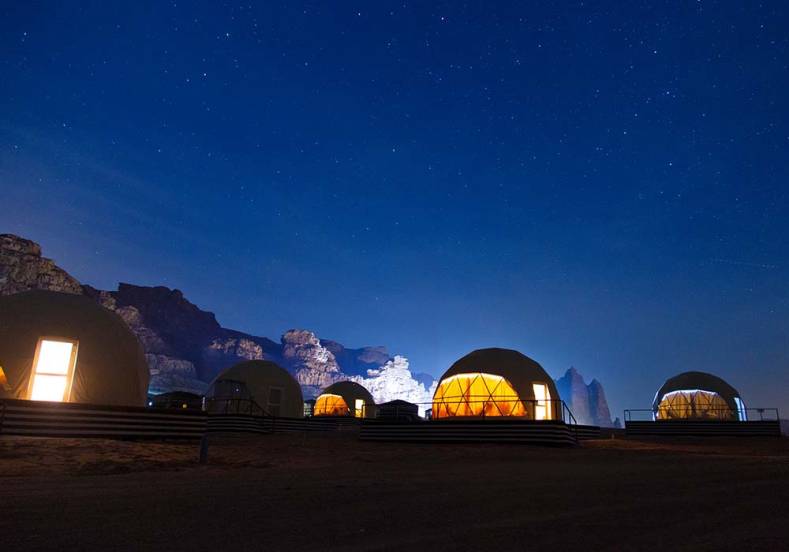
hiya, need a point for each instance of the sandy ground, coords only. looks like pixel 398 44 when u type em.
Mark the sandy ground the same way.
pixel 313 492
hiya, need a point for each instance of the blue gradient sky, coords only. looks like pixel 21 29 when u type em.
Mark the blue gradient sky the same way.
pixel 598 184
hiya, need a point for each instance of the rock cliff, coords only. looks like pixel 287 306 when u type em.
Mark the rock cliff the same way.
pixel 22 267
pixel 394 380
pixel 587 402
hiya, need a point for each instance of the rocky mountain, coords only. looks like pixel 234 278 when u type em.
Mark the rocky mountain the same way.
pixel 186 346
pixel 587 402
pixel 394 380
pixel 22 267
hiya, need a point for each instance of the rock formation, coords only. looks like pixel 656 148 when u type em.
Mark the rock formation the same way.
pixel 22 267
pixel 587 402
pixel 394 380
pixel 313 364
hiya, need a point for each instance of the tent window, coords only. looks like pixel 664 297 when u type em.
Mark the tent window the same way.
pixel 359 408
pixel 476 394
pixel 542 398
pixel 694 404
pixel 274 400
pixel 331 405
pixel 53 370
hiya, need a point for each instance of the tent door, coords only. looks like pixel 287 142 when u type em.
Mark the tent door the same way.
pixel 359 408
pixel 274 400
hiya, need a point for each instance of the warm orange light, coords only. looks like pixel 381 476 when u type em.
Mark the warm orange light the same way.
pixel 53 370
pixel 476 394
pixel 331 405
pixel 4 381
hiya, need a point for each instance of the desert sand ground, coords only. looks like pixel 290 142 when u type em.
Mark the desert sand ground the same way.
pixel 332 492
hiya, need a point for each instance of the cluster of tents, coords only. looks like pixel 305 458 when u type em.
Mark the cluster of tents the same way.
pixel 67 348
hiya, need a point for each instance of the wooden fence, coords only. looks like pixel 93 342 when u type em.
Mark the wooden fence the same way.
pixel 704 428
pixel 478 431
pixel 47 419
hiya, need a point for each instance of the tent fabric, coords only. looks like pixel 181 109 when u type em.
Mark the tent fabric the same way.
pixel 111 368
pixel 519 370
pixel 502 384
pixel 350 392
pixel 477 394
pixel 331 405
pixel 702 381
pixel 266 383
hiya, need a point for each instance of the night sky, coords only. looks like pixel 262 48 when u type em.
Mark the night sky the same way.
pixel 597 184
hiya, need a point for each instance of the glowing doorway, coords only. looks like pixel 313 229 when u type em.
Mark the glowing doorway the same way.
pixel 542 402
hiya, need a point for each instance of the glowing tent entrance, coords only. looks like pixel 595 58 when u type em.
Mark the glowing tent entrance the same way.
pixel 331 405
pixel 694 404
pixel 482 395
pixel 53 370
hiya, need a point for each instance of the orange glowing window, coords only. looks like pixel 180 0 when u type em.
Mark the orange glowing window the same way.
pixel 53 370
pixel 331 405
pixel 476 394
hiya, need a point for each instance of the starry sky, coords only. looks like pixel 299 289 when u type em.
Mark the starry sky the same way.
pixel 597 184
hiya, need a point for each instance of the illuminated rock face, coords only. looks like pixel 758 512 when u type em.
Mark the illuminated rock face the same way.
pixel 313 364
pixel 394 381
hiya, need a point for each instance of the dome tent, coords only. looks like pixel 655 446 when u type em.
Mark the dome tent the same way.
pixel 493 383
pixel 345 398
pixel 67 348
pixel 262 382
pixel 698 395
